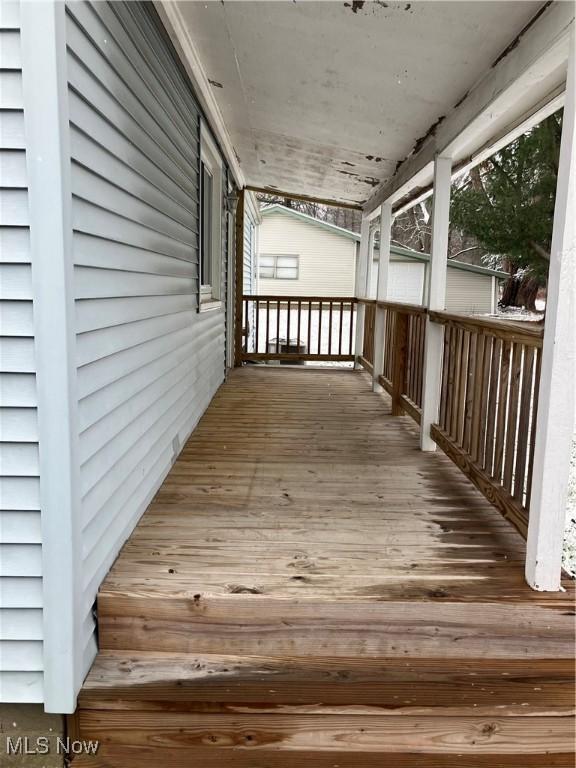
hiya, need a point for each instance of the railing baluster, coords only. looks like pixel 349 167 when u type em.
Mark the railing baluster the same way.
pixel 493 406
pixel 502 410
pixel 278 326
pixel 319 327
pixel 469 398
pixel 512 420
pixel 267 326
pixel 447 362
pixel 309 345
pixel 524 419
pixel 257 323
pixel 536 390
pixel 330 328
pixel 353 307
pixel 299 322
pixel 340 328
pixel 288 304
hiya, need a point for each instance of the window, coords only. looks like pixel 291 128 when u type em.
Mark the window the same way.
pixel 210 261
pixel 206 188
pixel 276 267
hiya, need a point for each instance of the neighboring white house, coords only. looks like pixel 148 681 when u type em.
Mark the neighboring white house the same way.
pixel 299 255
pixel 469 288
pixel 294 251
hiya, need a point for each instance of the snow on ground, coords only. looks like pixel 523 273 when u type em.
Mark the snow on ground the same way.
pixel 569 561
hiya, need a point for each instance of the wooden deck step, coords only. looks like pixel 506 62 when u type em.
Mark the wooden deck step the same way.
pixel 309 589
pixel 263 712
pixel 247 624
pixel 121 680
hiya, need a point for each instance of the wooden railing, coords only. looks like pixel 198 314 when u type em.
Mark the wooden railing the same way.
pixel 298 328
pixel 403 360
pixel 489 394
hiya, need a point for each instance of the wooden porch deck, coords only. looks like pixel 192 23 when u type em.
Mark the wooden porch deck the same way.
pixel 308 588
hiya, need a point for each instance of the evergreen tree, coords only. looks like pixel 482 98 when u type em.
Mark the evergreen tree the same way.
pixel 507 203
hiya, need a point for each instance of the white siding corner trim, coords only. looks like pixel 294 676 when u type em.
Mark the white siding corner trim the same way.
pixel 48 164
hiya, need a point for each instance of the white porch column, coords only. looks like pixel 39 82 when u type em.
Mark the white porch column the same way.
pixel 362 277
pixel 382 292
pixel 556 402
pixel 436 300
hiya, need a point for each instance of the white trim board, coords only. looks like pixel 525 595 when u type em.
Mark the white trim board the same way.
pixel 45 88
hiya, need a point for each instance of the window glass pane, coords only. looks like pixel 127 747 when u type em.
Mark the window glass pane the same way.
pixel 287 261
pixel 267 272
pixel 266 261
pixel 206 223
pixel 287 273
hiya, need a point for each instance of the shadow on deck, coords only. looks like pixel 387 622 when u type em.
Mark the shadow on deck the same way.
pixel 308 588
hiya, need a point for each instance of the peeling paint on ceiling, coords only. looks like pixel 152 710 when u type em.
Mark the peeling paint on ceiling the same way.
pixel 327 99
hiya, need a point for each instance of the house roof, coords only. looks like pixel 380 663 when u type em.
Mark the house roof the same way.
pixel 397 250
pixel 453 263
pixel 278 208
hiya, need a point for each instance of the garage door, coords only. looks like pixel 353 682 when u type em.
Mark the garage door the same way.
pixel 406 282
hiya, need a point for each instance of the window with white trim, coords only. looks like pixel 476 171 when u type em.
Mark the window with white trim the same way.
pixel 278 267
pixel 210 261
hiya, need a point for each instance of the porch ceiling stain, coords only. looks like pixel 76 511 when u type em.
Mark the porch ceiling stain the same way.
pixel 328 98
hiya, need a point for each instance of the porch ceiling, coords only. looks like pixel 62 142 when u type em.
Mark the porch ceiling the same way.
pixel 326 98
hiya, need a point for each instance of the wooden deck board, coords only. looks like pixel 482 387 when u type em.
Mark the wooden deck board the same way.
pixel 309 588
pixel 305 473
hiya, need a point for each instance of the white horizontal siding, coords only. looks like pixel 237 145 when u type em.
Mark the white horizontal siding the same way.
pixel 20 493
pixel 15 281
pixel 147 362
pixel 21 687
pixel 21 655
pixel 468 292
pixel 326 260
pixel 21 661
pixel 11 90
pixel 19 459
pixel 16 318
pixel 19 592
pixel 19 425
pixel 14 244
pixel 10 49
pixel 18 528
pixel 10 14
pixel 18 390
pixel 16 623
pixel 12 130
pixel 12 167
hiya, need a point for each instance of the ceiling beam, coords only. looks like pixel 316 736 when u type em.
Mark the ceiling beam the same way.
pixel 304 198
pixel 530 63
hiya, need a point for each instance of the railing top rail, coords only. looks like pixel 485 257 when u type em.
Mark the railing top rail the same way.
pixel 410 309
pixel 270 297
pixel 504 329
pixel 397 306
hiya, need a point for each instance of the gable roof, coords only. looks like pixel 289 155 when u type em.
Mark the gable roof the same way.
pixel 278 208
pixel 401 250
